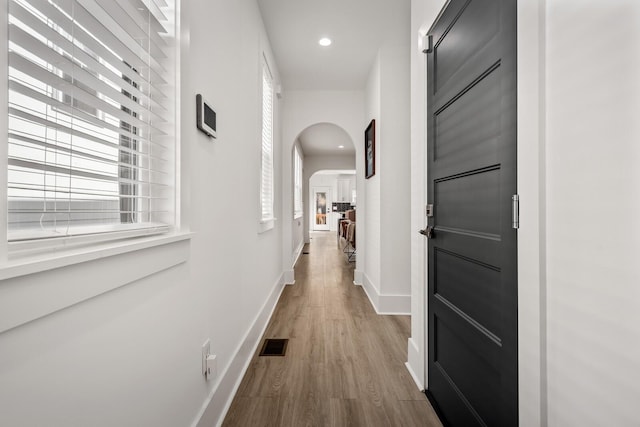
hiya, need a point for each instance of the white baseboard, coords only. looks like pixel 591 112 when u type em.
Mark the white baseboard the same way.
pixel 289 277
pixel 357 277
pixel 386 304
pixel 415 363
pixel 215 408
pixel 298 252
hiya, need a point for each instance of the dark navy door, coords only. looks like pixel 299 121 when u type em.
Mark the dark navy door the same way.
pixel 472 285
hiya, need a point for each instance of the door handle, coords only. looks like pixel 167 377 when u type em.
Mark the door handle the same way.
pixel 428 232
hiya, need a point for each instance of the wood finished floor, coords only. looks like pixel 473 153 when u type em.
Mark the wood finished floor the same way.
pixel 344 364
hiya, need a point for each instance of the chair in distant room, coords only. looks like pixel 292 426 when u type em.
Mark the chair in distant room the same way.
pixel 348 233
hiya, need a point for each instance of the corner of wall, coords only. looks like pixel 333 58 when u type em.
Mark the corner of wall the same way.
pixel 357 277
pixel 386 304
pixel 289 277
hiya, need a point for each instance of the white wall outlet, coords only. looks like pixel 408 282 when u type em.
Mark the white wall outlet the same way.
pixel 206 350
pixel 212 366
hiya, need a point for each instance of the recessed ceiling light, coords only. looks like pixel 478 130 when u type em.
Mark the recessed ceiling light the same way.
pixel 341 146
pixel 324 42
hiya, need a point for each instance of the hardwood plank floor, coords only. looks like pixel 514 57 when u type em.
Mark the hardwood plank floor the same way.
pixel 344 364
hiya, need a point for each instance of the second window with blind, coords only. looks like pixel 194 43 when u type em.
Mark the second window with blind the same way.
pixel 297 183
pixel 266 175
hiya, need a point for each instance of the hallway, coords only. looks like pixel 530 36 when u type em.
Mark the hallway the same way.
pixel 344 364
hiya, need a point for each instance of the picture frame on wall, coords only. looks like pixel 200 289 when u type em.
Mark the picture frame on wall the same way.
pixel 370 150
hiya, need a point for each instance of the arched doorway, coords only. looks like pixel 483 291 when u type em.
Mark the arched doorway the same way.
pixel 323 147
pixel 310 112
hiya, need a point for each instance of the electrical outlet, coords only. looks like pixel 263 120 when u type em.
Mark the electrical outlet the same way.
pixel 206 350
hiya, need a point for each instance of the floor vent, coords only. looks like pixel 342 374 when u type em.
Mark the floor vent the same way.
pixel 274 347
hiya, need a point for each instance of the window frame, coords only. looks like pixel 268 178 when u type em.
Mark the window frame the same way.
pixel 267 158
pixel 298 202
pixel 36 254
pixel 66 261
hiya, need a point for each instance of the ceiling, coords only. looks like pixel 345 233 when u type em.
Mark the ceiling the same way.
pixel 324 139
pixel 356 27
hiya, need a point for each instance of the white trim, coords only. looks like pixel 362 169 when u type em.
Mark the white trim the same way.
pixel 532 336
pixel 35 264
pixel 415 363
pixel 267 157
pixel 298 193
pixel 4 127
pixel 216 406
pixel 266 225
pixel 386 304
pixel 298 252
pixel 357 277
pixel 178 178
pixel 289 277
pixel 21 298
pixel 31 242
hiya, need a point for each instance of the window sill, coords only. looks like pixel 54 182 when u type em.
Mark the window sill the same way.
pixel 24 265
pixel 266 225
pixel 35 286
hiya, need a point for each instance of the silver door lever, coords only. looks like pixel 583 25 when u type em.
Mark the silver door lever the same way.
pixel 428 232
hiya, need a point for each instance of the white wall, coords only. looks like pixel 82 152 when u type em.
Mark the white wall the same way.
pixel 579 300
pixel 593 212
pixel 395 144
pixel 386 273
pixel 131 356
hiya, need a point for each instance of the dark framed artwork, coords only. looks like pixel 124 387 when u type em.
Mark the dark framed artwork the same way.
pixel 370 150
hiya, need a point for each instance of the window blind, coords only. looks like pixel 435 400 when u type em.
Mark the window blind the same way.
pixel 297 186
pixel 91 140
pixel 266 187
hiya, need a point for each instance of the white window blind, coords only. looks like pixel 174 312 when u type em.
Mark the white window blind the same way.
pixel 297 184
pixel 266 182
pixel 91 117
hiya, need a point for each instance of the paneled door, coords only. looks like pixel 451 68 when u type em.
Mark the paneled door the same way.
pixel 472 251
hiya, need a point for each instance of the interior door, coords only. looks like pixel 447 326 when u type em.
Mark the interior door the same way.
pixel 321 203
pixel 472 252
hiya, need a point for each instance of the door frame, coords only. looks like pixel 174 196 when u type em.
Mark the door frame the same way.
pixel 531 148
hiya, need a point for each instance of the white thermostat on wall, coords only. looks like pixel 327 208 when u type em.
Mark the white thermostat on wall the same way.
pixel 206 116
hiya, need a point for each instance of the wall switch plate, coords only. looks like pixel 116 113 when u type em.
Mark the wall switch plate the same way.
pixel 206 350
pixel 212 366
